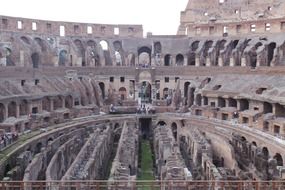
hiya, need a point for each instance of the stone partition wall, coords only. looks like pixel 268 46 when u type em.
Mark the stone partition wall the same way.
pixel 89 163
pixel 36 169
pixel 124 166
pixel 170 164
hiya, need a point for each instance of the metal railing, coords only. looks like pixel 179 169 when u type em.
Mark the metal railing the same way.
pixel 142 185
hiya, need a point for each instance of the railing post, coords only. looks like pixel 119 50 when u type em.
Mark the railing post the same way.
pixel 256 185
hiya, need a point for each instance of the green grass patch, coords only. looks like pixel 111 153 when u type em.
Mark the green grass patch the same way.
pixel 146 172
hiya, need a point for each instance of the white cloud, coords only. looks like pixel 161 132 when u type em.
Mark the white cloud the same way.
pixel 157 16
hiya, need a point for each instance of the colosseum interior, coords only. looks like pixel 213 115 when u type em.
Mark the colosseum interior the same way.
pixel 203 109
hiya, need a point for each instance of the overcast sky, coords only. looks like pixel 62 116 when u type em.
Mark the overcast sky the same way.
pixel 157 16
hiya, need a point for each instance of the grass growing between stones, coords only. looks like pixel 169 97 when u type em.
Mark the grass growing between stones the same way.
pixel 146 163
pixel 146 172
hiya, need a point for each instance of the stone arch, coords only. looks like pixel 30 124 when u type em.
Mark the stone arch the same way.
pixel 102 87
pixel 267 107
pixel 145 76
pixel 244 104
pixel 144 56
pixel 179 60
pixel 12 109
pixel 208 44
pixel 195 45
pixel 232 102
pixel 23 107
pixel 26 40
pixel 116 126
pixel 221 102
pixel 265 153
pixel 104 45
pixel 41 43
pixel 35 60
pixel 91 43
pixel 81 51
pixel 174 130
pixel 58 102
pixel 63 60
pixel 38 147
pixel 7 169
pixel 117 45
pixel 49 140
pixel 122 93
pixel 161 123
pixel 270 54
pixel 165 93
pixel 157 48
pixel 46 104
pixel 69 102
pixel 131 59
pixel 167 60
pixel 186 88
pixel 279 159
pixel 145 91
pixel 199 100
pixel 9 60
pixel 2 112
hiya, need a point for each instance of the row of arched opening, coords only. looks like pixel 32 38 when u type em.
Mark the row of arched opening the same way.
pixel 58 102
pixel 255 152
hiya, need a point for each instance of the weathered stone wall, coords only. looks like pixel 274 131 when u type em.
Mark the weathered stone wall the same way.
pixel 124 166
pixel 91 159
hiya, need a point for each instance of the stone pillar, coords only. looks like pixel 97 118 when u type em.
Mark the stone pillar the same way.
pixel 40 107
pixel 243 62
pixel 197 62
pixel 238 104
pixel 257 61
pixel 220 62
pixel 208 62
pixel 17 110
pixel 22 58
pixel 227 102
pixel 51 104
pixel 63 102
pixel 6 111
pixel 185 61
pixel 232 63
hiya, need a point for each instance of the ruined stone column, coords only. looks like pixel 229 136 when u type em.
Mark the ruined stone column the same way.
pixel 243 62
pixel 6 111
pixel 220 62
pixel 197 62
pixel 232 63
pixel 208 62
pixel 52 104
pixel 17 110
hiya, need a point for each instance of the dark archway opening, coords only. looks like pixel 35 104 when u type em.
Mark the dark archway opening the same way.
pixel 35 60
pixel 180 60
pixel 279 159
pixel 270 54
pixel 2 113
pixel 174 130
pixel 12 107
pixel 102 87
pixel 167 60
pixel 267 108
pixel 62 58
pixel 145 92
pixel 244 104
pixel 69 102
pixel 144 50
pixel 145 127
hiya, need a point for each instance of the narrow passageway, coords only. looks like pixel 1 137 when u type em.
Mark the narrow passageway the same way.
pixel 146 161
